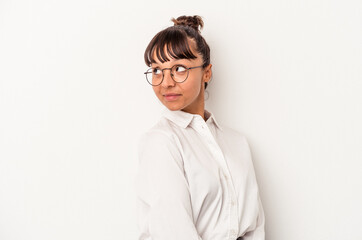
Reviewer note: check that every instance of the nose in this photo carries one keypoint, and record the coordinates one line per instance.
(167, 79)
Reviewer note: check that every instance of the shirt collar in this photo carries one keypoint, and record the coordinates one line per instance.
(183, 119)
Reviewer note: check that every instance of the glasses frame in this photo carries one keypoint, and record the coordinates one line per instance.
(163, 75)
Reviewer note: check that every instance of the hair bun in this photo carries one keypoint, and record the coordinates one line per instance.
(191, 21)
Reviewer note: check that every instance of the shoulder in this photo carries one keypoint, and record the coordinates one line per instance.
(234, 135)
(161, 131)
(158, 147)
(239, 145)
(161, 136)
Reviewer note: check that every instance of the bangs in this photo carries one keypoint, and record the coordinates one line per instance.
(173, 41)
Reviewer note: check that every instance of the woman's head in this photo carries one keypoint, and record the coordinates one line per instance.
(175, 39)
(181, 44)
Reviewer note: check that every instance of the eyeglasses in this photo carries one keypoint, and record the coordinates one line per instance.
(179, 74)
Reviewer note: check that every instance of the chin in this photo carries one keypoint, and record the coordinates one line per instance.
(173, 107)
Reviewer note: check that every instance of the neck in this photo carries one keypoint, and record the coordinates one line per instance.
(199, 109)
(198, 106)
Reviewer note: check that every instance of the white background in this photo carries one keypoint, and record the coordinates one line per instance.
(73, 101)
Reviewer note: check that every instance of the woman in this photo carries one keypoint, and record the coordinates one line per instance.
(196, 178)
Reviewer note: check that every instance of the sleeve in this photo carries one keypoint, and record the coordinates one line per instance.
(258, 233)
(163, 196)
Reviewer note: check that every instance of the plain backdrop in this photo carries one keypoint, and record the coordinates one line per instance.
(74, 100)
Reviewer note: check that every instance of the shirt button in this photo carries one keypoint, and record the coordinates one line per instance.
(233, 233)
(232, 203)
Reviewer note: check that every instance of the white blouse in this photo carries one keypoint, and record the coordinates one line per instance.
(196, 181)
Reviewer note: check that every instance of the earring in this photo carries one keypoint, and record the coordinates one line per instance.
(207, 95)
(212, 77)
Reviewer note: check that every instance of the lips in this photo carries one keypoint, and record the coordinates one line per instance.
(171, 96)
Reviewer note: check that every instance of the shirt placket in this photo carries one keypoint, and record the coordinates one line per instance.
(232, 202)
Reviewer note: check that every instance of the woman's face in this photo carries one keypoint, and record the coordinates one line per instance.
(190, 93)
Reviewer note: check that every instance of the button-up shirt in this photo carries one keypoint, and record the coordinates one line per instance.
(196, 181)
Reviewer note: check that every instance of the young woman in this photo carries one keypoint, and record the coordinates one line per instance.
(196, 178)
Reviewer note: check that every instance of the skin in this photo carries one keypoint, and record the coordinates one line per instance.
(192, 90)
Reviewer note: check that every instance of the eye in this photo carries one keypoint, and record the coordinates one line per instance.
(156, 71)
(180, 68)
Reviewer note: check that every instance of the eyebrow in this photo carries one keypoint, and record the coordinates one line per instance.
(174, 60)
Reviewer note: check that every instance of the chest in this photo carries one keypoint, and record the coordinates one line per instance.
(215, 166)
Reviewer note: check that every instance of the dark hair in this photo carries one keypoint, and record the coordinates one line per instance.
(175, 38)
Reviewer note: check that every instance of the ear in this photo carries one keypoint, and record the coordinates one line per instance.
(207, 73)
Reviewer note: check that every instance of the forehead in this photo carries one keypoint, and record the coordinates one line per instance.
(172, 53)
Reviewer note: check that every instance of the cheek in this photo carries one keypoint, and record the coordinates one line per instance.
(193, 88)
(155, 89)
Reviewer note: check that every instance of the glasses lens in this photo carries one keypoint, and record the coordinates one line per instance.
(154, 76)
(179, 73)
